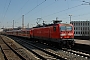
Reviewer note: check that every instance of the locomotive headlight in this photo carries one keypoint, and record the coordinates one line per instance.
(62, 34)
(61, 37)
(70, 34)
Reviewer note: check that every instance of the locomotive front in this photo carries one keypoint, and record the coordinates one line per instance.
(67, 35)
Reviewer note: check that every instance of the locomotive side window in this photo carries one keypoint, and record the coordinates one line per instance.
(54, 28)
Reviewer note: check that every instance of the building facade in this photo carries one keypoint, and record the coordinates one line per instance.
(81, 28)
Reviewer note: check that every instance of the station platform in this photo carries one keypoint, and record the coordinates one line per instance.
(86, 42)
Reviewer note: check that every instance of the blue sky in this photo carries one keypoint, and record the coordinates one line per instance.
(48, 10)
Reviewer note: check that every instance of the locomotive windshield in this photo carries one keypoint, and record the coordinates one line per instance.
(63, 28)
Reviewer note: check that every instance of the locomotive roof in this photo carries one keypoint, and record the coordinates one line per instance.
(44, 25)
(50, 25)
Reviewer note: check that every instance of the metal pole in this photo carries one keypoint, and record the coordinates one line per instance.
(13, 24)
(28, 25)
(56, 18)
(70, 18)
(22, 21)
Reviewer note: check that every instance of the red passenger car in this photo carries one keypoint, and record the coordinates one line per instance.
(26, 33)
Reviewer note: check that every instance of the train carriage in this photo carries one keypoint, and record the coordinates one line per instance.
(26, 33)
(57, 33)
(9, 32)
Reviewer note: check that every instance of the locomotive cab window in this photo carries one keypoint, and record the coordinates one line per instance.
(69, 28)
(54, 28)
(64, 28)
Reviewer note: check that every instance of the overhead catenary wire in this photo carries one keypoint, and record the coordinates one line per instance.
(79, 15)
(35, 7)
(21, 8)
(7, 9)
(63, 10)
(38, 5)
(51, 13)
(49, 5)
(73, 11)
(69, 9)
(4, 7)
(46, 7)
(3, 15)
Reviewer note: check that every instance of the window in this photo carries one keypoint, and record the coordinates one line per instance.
(85, 28)
(76, 32)
(85, 32)
(81, 24)
(88, 32)
(54, 28)
(76, 28)
(88, 28)
(72, 23)
(81, 28)
(68, 28)
(63, 28)
(23, 32)
(28, 32)
(81, 32)
(76, 24)
(88, 24)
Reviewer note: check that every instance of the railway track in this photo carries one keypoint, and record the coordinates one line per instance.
(79, 53)
(65, 54)
(12, 51)
(41, 53)
(82, 47)
(68, 54)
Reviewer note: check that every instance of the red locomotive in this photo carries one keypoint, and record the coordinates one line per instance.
(57, 33)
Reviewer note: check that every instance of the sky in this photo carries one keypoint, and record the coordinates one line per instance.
(46, 10)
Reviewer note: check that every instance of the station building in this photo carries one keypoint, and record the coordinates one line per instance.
(81, 29)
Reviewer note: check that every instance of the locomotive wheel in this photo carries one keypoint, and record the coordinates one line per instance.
(69, 46)
(60, 45)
